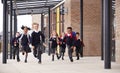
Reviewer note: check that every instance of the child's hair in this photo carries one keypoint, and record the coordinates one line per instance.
(69, 28)
(35, 24)
(77, 33)
(54, 32)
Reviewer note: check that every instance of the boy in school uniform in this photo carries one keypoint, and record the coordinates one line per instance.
(15, 45)
(37, 40)
(78, 44)
(70, 38)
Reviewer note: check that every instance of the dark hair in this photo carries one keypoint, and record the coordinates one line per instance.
(25, 27)
(69, 28)
(77, 33)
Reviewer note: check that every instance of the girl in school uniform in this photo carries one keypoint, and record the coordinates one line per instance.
(25, 41)
(62, 43)
(54, 43)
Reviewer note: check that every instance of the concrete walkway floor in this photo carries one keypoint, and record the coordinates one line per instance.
(84, 65)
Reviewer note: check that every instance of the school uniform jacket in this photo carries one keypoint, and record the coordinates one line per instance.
(54, 42)
(37, 38)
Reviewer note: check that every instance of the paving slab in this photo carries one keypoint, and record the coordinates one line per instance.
(84, 65)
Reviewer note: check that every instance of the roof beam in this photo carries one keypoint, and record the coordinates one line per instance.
(34, 8)
(58, 4)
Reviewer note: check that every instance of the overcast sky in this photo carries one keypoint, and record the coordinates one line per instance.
(1, 16)
(22, 20)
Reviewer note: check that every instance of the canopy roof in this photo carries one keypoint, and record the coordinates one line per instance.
(33, 6)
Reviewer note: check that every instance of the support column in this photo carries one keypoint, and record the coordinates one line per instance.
(49, 24)
(2, 1)
(42, 22)
(62, 18)
(81, 21)
(58, 21)
(5, 31)
(107, 7)
(11, 28)
(102, 34)
(15, 22)
(58, 25)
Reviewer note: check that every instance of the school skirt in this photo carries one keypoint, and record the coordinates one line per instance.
(26, 48)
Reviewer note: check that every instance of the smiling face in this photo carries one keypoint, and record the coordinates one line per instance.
(77, 35)
(63, 34)
(69, 31)
(25, 30)
(35, 26)
(54, 33)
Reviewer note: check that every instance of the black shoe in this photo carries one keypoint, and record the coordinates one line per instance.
(62, 58)
(71, 60)
(58, 57)
(77, 59)
(23, 53)
(14, 58)
(52, 59)
(25, 61)
(39, 62)
(81, 56)
(35, 55)
(18, 60)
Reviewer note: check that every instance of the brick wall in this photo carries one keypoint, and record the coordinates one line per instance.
(75, 14)
(117, 21)
(92, 27)
(67, 16)
(91, 24)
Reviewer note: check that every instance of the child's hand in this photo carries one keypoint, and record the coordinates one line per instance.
(45, 45)
(33, 47)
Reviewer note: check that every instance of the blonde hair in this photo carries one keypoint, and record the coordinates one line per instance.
(35, 24)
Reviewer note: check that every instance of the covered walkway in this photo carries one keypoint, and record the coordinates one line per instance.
(84, 65)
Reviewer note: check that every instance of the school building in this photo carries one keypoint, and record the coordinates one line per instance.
(67, 13)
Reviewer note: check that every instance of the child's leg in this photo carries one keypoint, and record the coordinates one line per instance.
(81, 52)
(26, 57)
(39, 56)
(17, 51)
(52, 57)
(14, 51)
(35, 52)
(77, 53)
(62, 55)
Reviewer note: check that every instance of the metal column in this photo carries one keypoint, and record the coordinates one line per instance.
(15, 22)
(5, 31)
(42, 22)
(11, 28)
(49, 24)
(2, 1)
(107, 7)
(81, 21)
(102, 34)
